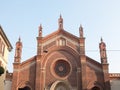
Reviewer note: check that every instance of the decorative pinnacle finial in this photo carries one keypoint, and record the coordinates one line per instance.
(103, 55)
(18, 51)
(60, 22)
(60, 16)
(101, 39)
(40, 27)
(19, 39)
(40, 30)
(81, 30)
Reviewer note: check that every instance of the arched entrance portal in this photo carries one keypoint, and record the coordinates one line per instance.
(60, 86)
(95, 88)
(25, 88)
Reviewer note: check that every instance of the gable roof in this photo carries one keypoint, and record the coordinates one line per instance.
(61, 32)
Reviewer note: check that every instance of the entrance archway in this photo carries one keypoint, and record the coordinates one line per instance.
(58, 85)
(61, 86)
(95, 88)
(25, 88)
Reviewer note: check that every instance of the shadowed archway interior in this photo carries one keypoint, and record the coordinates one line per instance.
(25, 88)
(95, 88)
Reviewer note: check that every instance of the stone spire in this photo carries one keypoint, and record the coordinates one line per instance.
(81, 31)
(60, 23)
(105, 65)
(18, 51)
(40, 31)
(39, 40)
(103, 55)
(82, 41)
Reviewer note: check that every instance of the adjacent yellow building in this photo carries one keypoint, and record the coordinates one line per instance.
(5, 48)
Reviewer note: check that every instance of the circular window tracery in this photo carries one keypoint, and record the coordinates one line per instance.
(61, 68)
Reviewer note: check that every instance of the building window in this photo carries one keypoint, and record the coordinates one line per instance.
(61, 42)
(2, 48)
(62, 68)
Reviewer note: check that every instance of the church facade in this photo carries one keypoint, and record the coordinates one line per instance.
(60, 64)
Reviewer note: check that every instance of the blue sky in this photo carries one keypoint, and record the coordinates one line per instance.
(99, 18)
